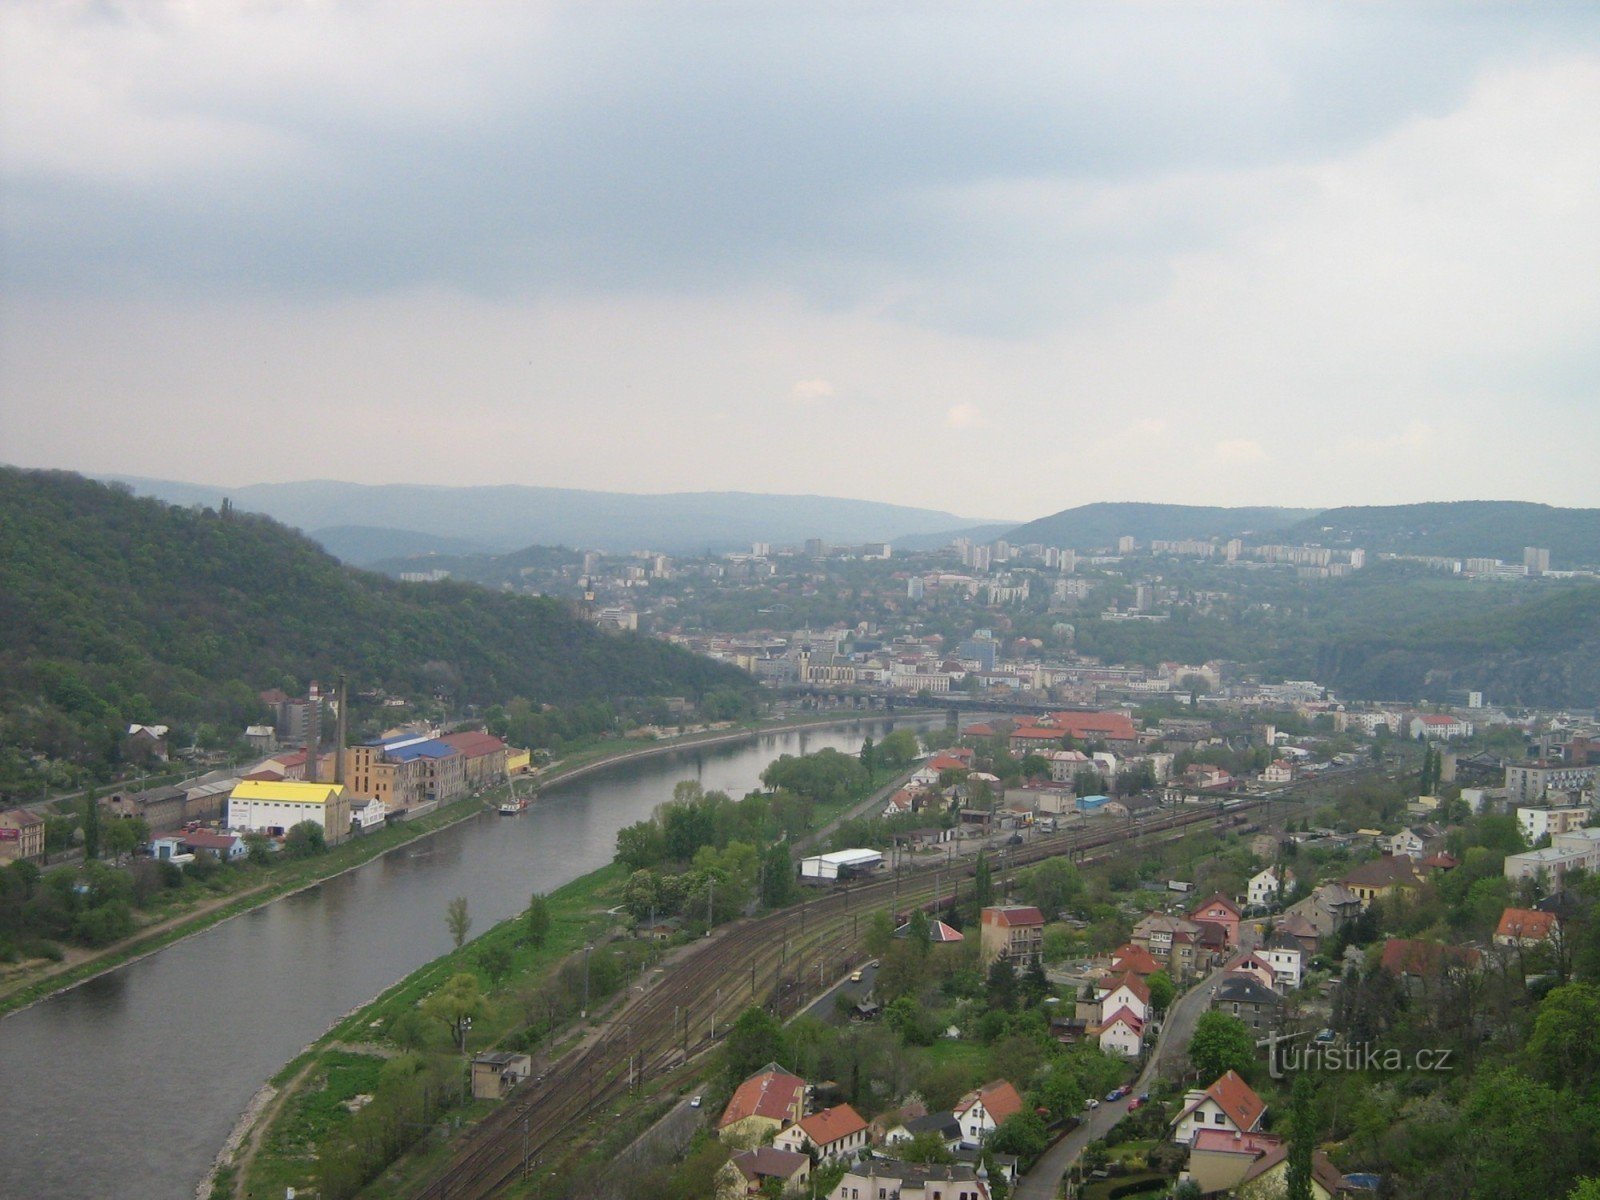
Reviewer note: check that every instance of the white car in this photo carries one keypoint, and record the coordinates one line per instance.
(1091, 1102)
(695, 1102)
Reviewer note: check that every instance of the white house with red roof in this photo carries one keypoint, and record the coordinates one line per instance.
(1436, 727)
(1525, 927)
(765, 1103)
(1256, 967)
(1125, 991)
(1229, 1104)
(836, 1132)
(983, 1110)
(1120, 1033)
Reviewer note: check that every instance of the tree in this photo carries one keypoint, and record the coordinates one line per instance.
(496, 961)
(1162, 990)
(121, 838)
(458, 920)
(868, 757)
(456, 1004)
(755, 1040)
(982, 882)
(305, 840)
(1563, 1048)
(640, 845)
(1302, 1140)
(258, 849)
(536, 921)
(1220, 1044)
(1022, 1134)
(925, 1147)
(1002, 985)
(778, 885)
(91, 826)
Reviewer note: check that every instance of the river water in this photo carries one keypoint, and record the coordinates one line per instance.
(127, 1085)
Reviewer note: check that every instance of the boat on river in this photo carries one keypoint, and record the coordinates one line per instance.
(514, 803)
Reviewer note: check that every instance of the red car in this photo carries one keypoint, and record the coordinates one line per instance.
(1134, 1102)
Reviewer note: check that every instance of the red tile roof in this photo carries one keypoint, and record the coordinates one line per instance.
(1234, 1097)
(774, 1094)
(1525, 923)
(473, 745)
(1226, 1141)
(1013, 915)
(1000, 1100)
(1408, 956)
(1216, 899)
(1087, 726)
(832, 1124)
(1123, 1014)
(1135, 960)
(1133, 983)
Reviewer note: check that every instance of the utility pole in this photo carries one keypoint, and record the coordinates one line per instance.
(586, 948)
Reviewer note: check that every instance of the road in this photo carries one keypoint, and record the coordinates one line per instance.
(1044, 1181)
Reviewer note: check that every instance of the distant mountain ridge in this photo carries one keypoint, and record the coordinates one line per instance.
(1091, 526)
(509, 517)
(1460, 528)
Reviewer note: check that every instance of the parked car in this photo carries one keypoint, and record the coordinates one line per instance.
(855, 976)
(1135, 1104)
(1118, 1093)
(695, 1102)
(1324, 1036)
(1091, 1102)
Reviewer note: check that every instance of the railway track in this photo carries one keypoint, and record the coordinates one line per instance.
(766, 960)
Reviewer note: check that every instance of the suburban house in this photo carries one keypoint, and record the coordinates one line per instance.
(837, 1132)
(1228, 1104)
(767, 1102)
(1125, 991)
(745, 1174)
(1014, 931)
(939, 933)
(1266, 886)
(494, 1074)
(1410, 959)
(1120, 1033)
(145, 743)
(1525, 927)
(1174, 943)
(1133, 960)
(1223, 1162)
(1219, 910)
(1382, 877)
(1408, 842)
(1285, 956)
(1247, 998)
(943, 1125)
(878, 1178)
(1278, 771)
(21, 835)
(982, 1111)
(229, 847)
(1255, 967)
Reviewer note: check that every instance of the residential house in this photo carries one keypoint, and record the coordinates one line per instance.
(1278, 772)
(1266, 886)
(747, 1173)
(1124, 991)
(495, 1073)
(837, 1132)
(1286, 957)
(769, 1101)
(1247, 998)
(939, 933)
(881, 1178)
(1414, 961)
(21, 835)
(1014, 931)
(1407, 842)
(1436, 727)
(1525, 927)
(1229, 1103)
(1298, 928)
(981, 1111)
(1122, 1032)
(228, 847)
(944, 1125)
(1382, 877)
(1219, 910)
(145, 744)
(1252, 1165)
(1133, 960)
(1268, 1177)
(1254, 966)
(1174, 942)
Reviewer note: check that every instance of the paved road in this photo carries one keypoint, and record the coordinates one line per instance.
(1044, 1181)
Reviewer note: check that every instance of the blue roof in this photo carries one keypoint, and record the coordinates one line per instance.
(411, 749)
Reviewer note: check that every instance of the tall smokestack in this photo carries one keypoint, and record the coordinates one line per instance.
(313, 733)
(338, 750)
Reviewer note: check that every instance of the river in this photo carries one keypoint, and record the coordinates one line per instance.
(126, 1085)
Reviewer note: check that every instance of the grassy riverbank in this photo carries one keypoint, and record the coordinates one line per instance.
(248, 888)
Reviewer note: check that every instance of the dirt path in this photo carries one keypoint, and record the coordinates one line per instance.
(244, 1143)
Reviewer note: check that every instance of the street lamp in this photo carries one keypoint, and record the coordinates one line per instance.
(586, 950)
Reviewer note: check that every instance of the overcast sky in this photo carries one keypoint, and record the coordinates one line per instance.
(994, 258)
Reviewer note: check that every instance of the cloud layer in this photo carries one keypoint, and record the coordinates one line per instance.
(1123, 247)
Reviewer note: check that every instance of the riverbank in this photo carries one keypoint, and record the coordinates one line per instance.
(26, 990)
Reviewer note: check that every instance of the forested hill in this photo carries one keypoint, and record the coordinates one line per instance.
(1462, 529)
(118, 609)
(1092, 526)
